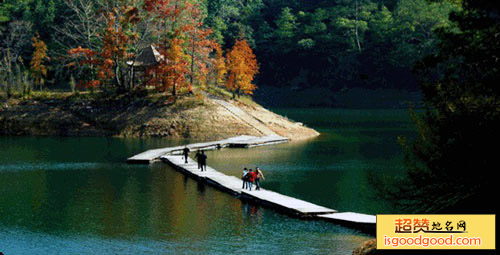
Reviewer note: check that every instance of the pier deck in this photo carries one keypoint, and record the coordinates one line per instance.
(237, 141)
(233, 185)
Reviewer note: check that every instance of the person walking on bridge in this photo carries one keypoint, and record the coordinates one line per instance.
(244, 178)
(185, 152)
(251, 178)
(260, 176)
(197, 156)
(203, 161)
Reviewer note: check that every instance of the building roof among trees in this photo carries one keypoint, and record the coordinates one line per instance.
(148, 56)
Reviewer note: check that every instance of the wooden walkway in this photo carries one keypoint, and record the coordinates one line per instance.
(237, 141)
(233, 185)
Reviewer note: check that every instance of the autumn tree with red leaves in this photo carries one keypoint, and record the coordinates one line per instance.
(183, 42)
(84, 60)
(242, 67)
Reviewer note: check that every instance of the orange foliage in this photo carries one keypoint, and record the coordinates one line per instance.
(219, 64)
(38, 69)
(170, 73)
(115, 42)
(88, 56)
(242, 68)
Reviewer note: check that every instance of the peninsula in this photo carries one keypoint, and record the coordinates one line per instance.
(202, 117)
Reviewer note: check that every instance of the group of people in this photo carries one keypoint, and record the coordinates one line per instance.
(250, 177)
(200, 156)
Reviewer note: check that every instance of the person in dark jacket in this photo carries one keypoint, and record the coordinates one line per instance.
(198, 158)
(185, 152)
(244, 178)
(203, 161)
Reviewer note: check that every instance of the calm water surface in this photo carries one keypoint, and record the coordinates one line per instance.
(77, 196)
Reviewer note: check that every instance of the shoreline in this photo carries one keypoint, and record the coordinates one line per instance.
(196, 117)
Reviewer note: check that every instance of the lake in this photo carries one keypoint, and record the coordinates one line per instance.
(77, 195)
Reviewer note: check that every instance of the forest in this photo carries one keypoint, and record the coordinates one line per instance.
(298, 44)
(118, 46)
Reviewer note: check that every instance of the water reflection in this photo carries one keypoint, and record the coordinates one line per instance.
(155, 202)
(84, 199)
(251, 211)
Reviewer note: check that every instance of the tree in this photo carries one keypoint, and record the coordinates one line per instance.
(171, 72)
(42, 15)
(105, 64)
(452, 160)
(170, 33)
(117, 40)
(38, 69)
(15, 39)
(81, 27)
(231, 19)
(242, 67)
(84, 60)
(414, 23)
(286, 24)
(220, 68)
(183, 41)
(355, 22)
(200, 46)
